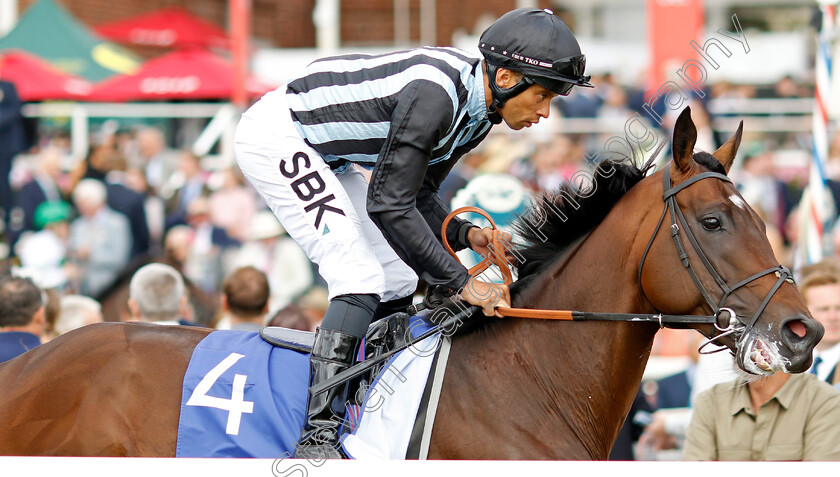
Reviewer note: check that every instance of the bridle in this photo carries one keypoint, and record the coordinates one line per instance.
(732, 324)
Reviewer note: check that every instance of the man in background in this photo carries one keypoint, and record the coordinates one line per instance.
(22, 316)
(100, 238)
(245, 299)
(778, 417)
(820, 287)
(157, 295)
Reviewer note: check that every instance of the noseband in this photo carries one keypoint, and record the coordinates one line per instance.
(726, 321)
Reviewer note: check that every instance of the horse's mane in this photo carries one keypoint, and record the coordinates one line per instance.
(558, 219)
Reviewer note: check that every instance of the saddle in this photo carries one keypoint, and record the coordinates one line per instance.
(383, 335)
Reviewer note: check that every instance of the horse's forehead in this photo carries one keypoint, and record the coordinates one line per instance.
(712, 189)
(739, 202)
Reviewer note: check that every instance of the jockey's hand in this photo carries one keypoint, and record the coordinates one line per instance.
(486, 295)
(480, 240)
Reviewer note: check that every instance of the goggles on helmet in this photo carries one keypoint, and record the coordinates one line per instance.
(559, 76)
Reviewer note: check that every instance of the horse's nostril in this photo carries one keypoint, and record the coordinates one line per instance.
(801, 333)
(798, 328)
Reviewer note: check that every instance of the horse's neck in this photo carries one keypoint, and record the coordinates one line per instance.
(574, 382)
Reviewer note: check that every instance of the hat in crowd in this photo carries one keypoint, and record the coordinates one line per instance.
(265, 225)
(51, 212)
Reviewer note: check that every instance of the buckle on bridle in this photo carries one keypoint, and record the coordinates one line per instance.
(732, 326)
(788, 279)
(731, 319)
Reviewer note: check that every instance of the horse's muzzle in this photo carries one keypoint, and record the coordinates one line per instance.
(800, 334)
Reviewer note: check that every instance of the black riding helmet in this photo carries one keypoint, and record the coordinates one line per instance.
(537, 44)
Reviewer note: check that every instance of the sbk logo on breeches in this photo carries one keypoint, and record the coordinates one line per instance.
(308, 187)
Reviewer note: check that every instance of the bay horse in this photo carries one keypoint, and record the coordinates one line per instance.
(513, 388)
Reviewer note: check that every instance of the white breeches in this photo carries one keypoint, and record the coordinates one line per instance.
(322, 211)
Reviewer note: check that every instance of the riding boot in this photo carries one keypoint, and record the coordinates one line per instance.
(332, 352)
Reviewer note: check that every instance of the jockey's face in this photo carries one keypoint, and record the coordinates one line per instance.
(526, 108)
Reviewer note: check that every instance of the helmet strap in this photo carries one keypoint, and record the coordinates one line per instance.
(502, 95)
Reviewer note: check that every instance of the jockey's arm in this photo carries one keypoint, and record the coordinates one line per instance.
(422, 116)
(399, 194)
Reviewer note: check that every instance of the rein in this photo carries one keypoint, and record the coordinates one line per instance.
(497, 258)
(724, 319)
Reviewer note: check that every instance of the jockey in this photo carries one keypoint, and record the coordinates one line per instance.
(407, 117)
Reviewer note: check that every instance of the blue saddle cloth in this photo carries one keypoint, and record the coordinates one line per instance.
(229, 406)
(243, 397)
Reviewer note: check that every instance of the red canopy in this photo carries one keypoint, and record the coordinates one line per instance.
(182, 74)
(37, 80)
(167, 27)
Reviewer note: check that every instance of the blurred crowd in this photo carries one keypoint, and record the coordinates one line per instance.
(84, 229)
(83, 226)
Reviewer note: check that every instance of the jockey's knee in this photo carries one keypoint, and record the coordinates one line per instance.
(350, 314)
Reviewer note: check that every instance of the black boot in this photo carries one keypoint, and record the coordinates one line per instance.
(332, 352)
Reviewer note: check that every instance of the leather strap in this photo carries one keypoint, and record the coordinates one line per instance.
(497, 246)
(497, 257)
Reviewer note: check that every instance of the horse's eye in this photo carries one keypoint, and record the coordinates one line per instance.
(711, 223)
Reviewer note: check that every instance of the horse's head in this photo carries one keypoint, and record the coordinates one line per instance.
(710, 255)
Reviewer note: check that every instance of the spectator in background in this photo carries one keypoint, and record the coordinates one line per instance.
(233, 204)
(273, 252)
(153, 206)
(760, 186)
(245, 294)
(95, 164)
(176, 246)
(22, 316)
(154, 157)
(100, 238)
(552, 164)
(667, 426)
(128, 202)
(77, 311)
(13, 141)
(184, 187)
(211, 249)
(615, 102)
(820, 287)
(157, 295)
(42, 187)
(581, 102)
(633, 428)
(779, 417)
(292, 316)
(786, 87)
(44, 253)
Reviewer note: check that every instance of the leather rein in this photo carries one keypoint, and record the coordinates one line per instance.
(724, 319)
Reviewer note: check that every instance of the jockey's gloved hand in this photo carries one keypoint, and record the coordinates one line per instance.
(481, 241)
(486, 295)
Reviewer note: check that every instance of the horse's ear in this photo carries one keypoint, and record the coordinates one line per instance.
(726, 153)
(685, 136)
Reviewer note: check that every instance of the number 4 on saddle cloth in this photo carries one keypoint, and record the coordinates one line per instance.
(244, 396)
